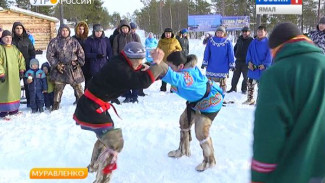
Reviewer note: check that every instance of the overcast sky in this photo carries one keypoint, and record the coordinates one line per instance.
(122, 6)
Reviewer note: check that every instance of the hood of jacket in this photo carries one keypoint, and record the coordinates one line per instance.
(60, 29)
(47, 65)
(85, 34)
(124, 23)
(14, 27)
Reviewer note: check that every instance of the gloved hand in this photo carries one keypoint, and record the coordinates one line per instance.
(100, 56)
(60, 68)
(203, 67)
(74, 65)
(21, 75)
(3, 79)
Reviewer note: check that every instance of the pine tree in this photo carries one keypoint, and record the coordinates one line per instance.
(3, 3)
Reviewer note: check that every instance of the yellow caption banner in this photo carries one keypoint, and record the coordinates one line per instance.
(58, 173)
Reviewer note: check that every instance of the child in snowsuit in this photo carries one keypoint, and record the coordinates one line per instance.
(36, 80)
(204, 100)
(122, 73)
(49, 95)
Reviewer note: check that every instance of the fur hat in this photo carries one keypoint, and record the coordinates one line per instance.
(221, 28)
(177, 58)
(282, 33)
(33, 61)
(135, 50)
(6, 33)
(133, 25)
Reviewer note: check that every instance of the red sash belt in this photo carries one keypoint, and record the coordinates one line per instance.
(104, 106)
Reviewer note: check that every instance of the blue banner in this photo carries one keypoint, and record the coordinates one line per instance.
(273, 2)
(203, 23)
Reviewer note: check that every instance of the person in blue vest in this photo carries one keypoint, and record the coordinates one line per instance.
(37, 85)
(204, 101)
(258, 59)
(219, 58)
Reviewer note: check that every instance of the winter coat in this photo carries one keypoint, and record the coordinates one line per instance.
(50, 84)
(151, 42)
(12, 63)
(258, 53)
(191, 84)
(111, 38)
(93, 47)
(218, 57)
(135, 37)
(31, 38)
(169, 45)
(23, 43)
(184, 44)
(241, 48)
(113, 80)
(63, 51)
(289, 130)
(122, 39)
(39, 83)
(81, 38)
(318, 38)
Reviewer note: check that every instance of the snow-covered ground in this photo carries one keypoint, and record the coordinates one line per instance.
(150, 129)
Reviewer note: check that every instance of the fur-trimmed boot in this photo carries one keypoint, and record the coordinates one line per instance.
(184, 145)
(208, 155)
(106, 161)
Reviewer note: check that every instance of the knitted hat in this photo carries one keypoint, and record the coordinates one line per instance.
(135, 50)
(245, 29)
(183, 31)
(133, 25)
(168, 30)
(322, 20)
(221, 28)
(177, 58)
(6, 33)
(98, 28)
(282, 33)
(33, 61)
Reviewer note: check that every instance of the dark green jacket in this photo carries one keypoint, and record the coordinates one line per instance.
(289, 127)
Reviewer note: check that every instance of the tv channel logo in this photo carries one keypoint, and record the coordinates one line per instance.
(43, 2)
(279, 7)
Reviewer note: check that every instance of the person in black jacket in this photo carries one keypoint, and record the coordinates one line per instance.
(240, 50)
(122, 73)
(25, 46)
(81, 33)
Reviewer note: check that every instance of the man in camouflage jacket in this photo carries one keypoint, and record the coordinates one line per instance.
(66, 57)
